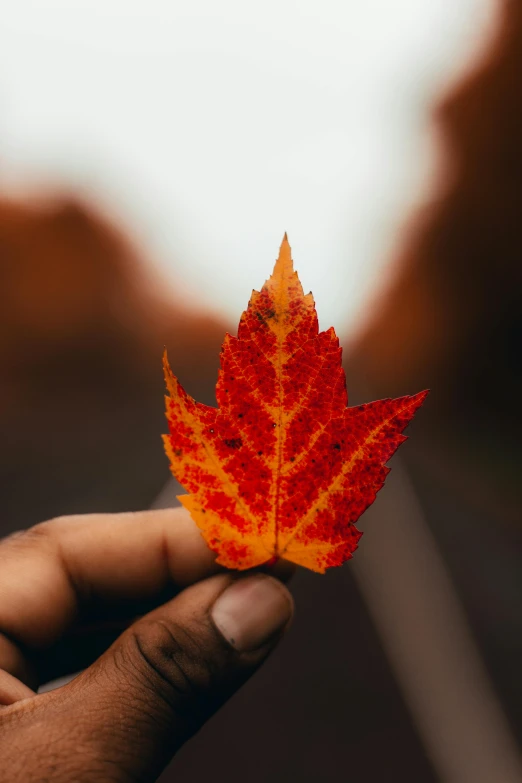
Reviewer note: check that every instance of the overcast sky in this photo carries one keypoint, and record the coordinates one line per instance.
(211, 127)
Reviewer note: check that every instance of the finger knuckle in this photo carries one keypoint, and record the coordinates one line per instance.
(41, 530)
(173, 661)
(39, 536)
(51, 527)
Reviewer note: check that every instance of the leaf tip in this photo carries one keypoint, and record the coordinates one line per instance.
(284, 265)
(419, 398)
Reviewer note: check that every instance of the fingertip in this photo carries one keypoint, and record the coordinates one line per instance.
(253, 612)
(190, 559)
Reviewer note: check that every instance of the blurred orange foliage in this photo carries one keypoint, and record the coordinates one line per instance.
(83, 323)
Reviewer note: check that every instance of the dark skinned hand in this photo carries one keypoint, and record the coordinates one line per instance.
(163, 634)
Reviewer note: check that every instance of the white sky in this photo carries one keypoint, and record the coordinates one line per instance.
(209, 127)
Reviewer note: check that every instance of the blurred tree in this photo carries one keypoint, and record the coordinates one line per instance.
(82, 329)
(452, 320)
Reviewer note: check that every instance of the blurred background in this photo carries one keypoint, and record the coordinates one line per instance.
(152, 154)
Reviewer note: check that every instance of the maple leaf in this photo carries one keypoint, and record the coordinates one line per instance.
(282, 467)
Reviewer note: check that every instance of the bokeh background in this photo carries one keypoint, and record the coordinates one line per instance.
(151, 156)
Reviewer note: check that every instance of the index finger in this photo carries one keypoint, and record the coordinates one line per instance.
(47, 572)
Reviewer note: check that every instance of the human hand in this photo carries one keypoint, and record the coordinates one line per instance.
(70, 591)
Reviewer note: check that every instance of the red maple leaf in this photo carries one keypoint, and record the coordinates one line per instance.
(282, 468)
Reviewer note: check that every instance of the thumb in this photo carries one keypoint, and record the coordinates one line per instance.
(171, 670)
